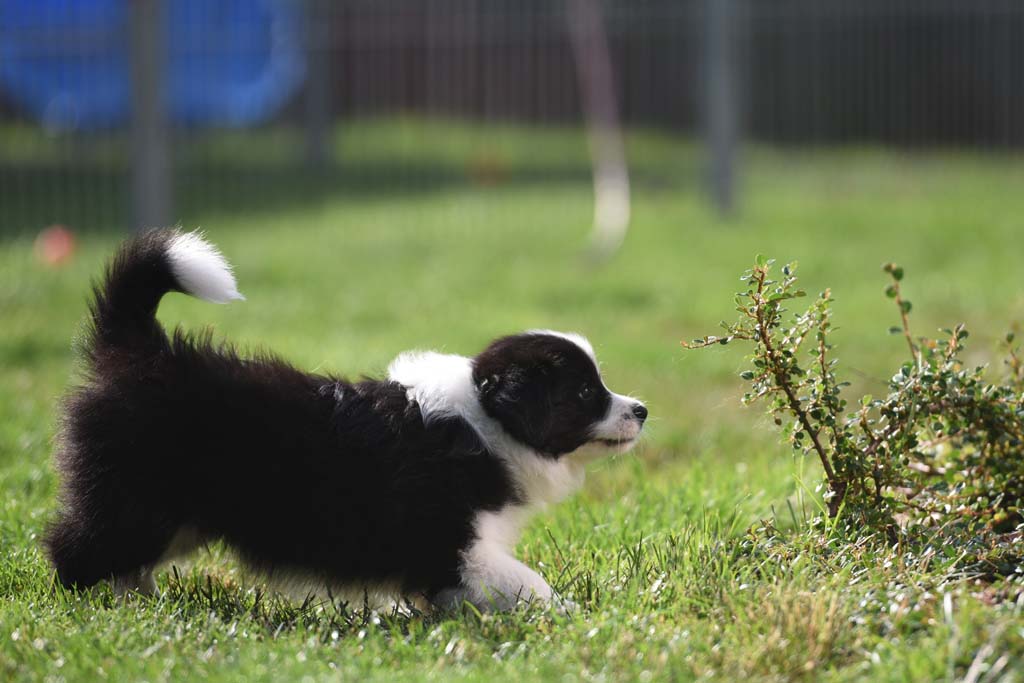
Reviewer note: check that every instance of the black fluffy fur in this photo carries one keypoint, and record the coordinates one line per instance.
(298, 472)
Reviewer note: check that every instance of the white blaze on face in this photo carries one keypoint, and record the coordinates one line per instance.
(620, 427)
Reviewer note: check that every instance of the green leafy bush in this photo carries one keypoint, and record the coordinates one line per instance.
(944, 450)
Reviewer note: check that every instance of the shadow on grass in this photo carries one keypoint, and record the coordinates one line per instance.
(94, 198)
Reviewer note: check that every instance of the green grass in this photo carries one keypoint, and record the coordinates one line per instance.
(444, 236)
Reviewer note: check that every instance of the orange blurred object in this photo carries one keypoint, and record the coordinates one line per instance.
(55, 245)
(487, 168)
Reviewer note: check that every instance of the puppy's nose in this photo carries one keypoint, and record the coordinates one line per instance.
(640, 411)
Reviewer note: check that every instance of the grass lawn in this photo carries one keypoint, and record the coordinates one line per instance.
(443, 236)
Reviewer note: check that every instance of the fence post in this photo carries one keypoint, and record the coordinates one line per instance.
(721, 125)
(592, 55)
(150, 136)
(318, 87)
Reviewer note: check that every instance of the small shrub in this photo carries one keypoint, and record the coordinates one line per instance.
(943, 450)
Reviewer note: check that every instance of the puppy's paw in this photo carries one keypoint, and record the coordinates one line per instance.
(563, 606)
(484, 600)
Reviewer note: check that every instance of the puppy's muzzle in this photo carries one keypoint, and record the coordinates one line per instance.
(622, 426)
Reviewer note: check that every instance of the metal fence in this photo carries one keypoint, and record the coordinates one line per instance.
(108, 107)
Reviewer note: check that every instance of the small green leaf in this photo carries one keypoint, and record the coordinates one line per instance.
(890, 291)
(906, 306)
(894, 270)
(895, 330)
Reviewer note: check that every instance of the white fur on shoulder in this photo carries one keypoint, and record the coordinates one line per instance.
(441, 383)
(201, 269)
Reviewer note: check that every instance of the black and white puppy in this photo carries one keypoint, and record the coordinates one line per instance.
(418, 484)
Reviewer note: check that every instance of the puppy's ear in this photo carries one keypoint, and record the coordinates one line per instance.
(486, 387)
(511, 399)
(501, 389)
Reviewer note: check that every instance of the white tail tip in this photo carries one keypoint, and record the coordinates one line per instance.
(201, 269)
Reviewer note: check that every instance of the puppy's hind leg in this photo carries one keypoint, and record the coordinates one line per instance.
(140, 581)
(86, 553)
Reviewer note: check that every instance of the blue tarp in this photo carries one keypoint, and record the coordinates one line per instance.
(229, 62)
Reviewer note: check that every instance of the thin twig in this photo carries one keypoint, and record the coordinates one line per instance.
(783, 382)
(904, 318)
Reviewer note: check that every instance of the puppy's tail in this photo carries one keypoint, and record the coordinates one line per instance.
(143, 270)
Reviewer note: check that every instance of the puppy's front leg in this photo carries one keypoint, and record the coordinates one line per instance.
(495, 582)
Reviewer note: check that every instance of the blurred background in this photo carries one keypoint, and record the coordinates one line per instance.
(129, 113)
(388, 174)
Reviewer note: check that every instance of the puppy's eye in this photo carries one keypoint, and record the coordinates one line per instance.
(586, 392)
